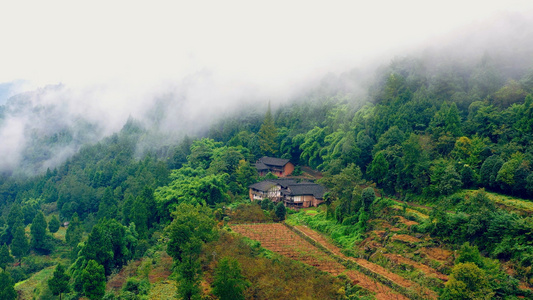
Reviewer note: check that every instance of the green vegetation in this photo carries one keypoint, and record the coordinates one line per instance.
(229, 282)
(92, 280)
(59, 283)
(437, 159)
(7, 290)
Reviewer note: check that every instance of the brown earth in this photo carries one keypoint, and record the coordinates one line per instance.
(406, 222)
(116, 281)
(280, 239)
(398, 259)
(162, 270)
(438, 254)
(405, 238)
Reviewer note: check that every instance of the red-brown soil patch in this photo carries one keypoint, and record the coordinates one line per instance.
(369, 244)
(406, 222)
(382, 292)
(116, 281)
(388, 226)
(379, 233)
(405, 238)
(162, 270)
(398, 259)
(437, 253)
(159, 273)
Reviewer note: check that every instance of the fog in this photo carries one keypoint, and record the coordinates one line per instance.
(178, 66)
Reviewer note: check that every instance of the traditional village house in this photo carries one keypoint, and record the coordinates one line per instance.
(303, 194)
(277, 166)
(292, 193)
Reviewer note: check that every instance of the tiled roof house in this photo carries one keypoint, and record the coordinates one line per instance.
(277, 166)
(292, 193)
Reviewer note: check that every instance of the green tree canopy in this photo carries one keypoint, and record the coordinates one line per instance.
(39, 240)
(58, 284)
(189, 270)
(54, 224)
(7, 287)
(229, 284)
(378, 168)
(93, 279)
(467, 281)
(107, 207)
(106, 245)
(15, 215)
(268, 135)
(368, 196)
(444, 178)
(280, 211)
(5, 257)
(19, 245)
(190, 223)
(74, 231)
(191, 186)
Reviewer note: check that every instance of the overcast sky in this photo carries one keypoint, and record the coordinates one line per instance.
(177, 65)
(139, 44)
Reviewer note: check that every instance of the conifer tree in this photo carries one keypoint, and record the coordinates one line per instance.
(189, 271)
(38, 233)
(108, 205)
(5, 257)
(453, 121)
(58, 284)
(280, 211)
(7, 287)
(19, 245)
(15, 215)
(93, 279)
(54, 224)
(268, 135)
(139, 216)
(74, 231)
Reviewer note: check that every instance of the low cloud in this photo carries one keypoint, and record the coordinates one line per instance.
(178, 71)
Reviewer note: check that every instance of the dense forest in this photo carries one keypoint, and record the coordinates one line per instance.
(443, 142)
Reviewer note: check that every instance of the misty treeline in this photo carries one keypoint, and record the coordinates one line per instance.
(426, 129)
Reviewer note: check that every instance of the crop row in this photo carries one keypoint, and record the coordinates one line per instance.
(280, 239)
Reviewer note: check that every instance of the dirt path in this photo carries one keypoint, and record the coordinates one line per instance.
(280, 239)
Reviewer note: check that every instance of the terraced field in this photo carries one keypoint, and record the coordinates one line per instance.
(280, 239)
(374, 268)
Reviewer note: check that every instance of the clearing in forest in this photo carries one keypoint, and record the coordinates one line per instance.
(278, 238)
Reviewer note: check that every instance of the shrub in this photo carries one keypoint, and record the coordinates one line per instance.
(136, 286)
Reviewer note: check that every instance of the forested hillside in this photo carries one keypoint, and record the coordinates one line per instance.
(443, 141)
